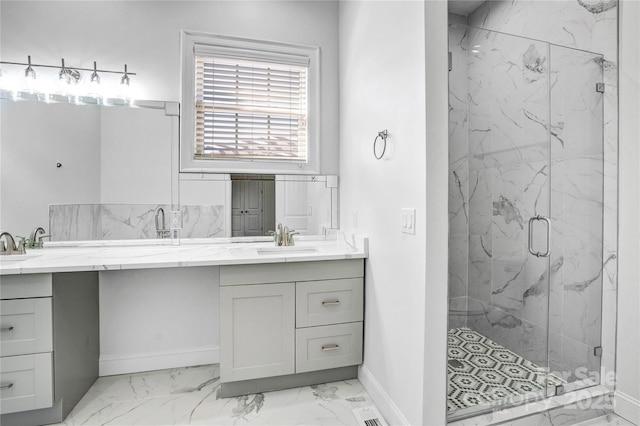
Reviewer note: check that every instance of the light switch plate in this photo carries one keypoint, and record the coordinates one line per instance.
(408, 221)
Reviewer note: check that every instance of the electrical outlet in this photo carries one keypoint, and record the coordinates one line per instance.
(175, 221)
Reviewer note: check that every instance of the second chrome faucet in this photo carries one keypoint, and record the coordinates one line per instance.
(283, 236)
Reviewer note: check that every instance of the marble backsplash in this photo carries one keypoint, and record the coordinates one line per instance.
(507, 95)
(72, 222)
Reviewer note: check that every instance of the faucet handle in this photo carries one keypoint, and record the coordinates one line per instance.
(289, 237)
(21, 245)
(40, 243)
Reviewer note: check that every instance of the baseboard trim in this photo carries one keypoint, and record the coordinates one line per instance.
(288, 381)
(110, 365)
(383, 402)
(627, 407)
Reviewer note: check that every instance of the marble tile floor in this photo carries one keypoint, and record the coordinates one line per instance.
(483, 374)
(608, 420)
(186, 396)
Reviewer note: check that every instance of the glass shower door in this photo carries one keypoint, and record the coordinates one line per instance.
(500, 165)
(577, 167)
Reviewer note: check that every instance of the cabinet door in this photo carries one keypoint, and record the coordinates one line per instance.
(25, 326)
(257, 331)
(26, 382)
(329, 302)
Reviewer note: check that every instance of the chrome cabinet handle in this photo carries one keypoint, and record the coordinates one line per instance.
(330, 302)
(330, 347)
(7, 386)
(548, 222)
(9, 328)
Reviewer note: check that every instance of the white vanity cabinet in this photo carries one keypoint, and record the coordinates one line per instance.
(290, 324)
(49, 345)
(329, 326)
(26, 336)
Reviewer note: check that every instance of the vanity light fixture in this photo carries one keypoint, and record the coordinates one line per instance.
(62, 72)
(95, 78)
(125, 78)
(29, 72)
(65, 71)
(82, 90)
(70, 75)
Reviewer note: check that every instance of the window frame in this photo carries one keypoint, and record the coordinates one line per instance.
(260, 50)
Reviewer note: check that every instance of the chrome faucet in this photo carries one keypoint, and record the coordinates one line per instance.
(34, 241)
(161, 230)
(283, 236)
(288, 237)
(10, 247)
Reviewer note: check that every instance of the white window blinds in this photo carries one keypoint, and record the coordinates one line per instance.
(250, 110)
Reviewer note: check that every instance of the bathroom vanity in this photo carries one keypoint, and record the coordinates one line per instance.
(288, 325)
(49, 344)
(288, 317)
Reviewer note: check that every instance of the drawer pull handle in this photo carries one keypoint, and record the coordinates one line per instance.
(6, 328)
(7, 386)
(330, 347)
(331, 303)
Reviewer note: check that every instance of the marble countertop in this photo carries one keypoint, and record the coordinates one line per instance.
(144, 254)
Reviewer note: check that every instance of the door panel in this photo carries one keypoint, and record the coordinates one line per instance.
(257, 324)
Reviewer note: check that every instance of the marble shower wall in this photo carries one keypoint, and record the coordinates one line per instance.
(506, 121)
(73, 222)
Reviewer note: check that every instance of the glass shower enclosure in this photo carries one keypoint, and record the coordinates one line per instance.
(525, 217)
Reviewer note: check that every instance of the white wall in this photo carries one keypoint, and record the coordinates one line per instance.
(135, 153)
(158, 318)
(29, 178)
(382, 86)
(627, 395)
(146, 36)
(437, 172)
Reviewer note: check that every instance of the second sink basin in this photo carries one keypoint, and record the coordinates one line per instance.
(286, 250)
(12, 258)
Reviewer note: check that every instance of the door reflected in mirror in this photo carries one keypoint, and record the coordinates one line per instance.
(253, 207)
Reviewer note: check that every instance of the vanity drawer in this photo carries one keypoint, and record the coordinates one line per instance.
(329, 302)
(22, 286)
(329, 346)
(26, 381)
(25, 326)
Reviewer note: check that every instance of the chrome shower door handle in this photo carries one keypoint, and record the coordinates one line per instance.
(548, 222)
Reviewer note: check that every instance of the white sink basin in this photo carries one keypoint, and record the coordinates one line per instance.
(286, 250)
(12, 258)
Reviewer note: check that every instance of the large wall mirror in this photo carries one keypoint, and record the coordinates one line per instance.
(91, 172)
(86, 172)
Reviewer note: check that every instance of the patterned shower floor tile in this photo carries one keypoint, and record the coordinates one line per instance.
(482, 372)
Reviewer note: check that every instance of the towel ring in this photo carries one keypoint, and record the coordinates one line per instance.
(383, 136)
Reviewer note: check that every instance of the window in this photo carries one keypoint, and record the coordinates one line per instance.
(248, 106)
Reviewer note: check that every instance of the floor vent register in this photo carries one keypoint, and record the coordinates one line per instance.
(369, 416)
